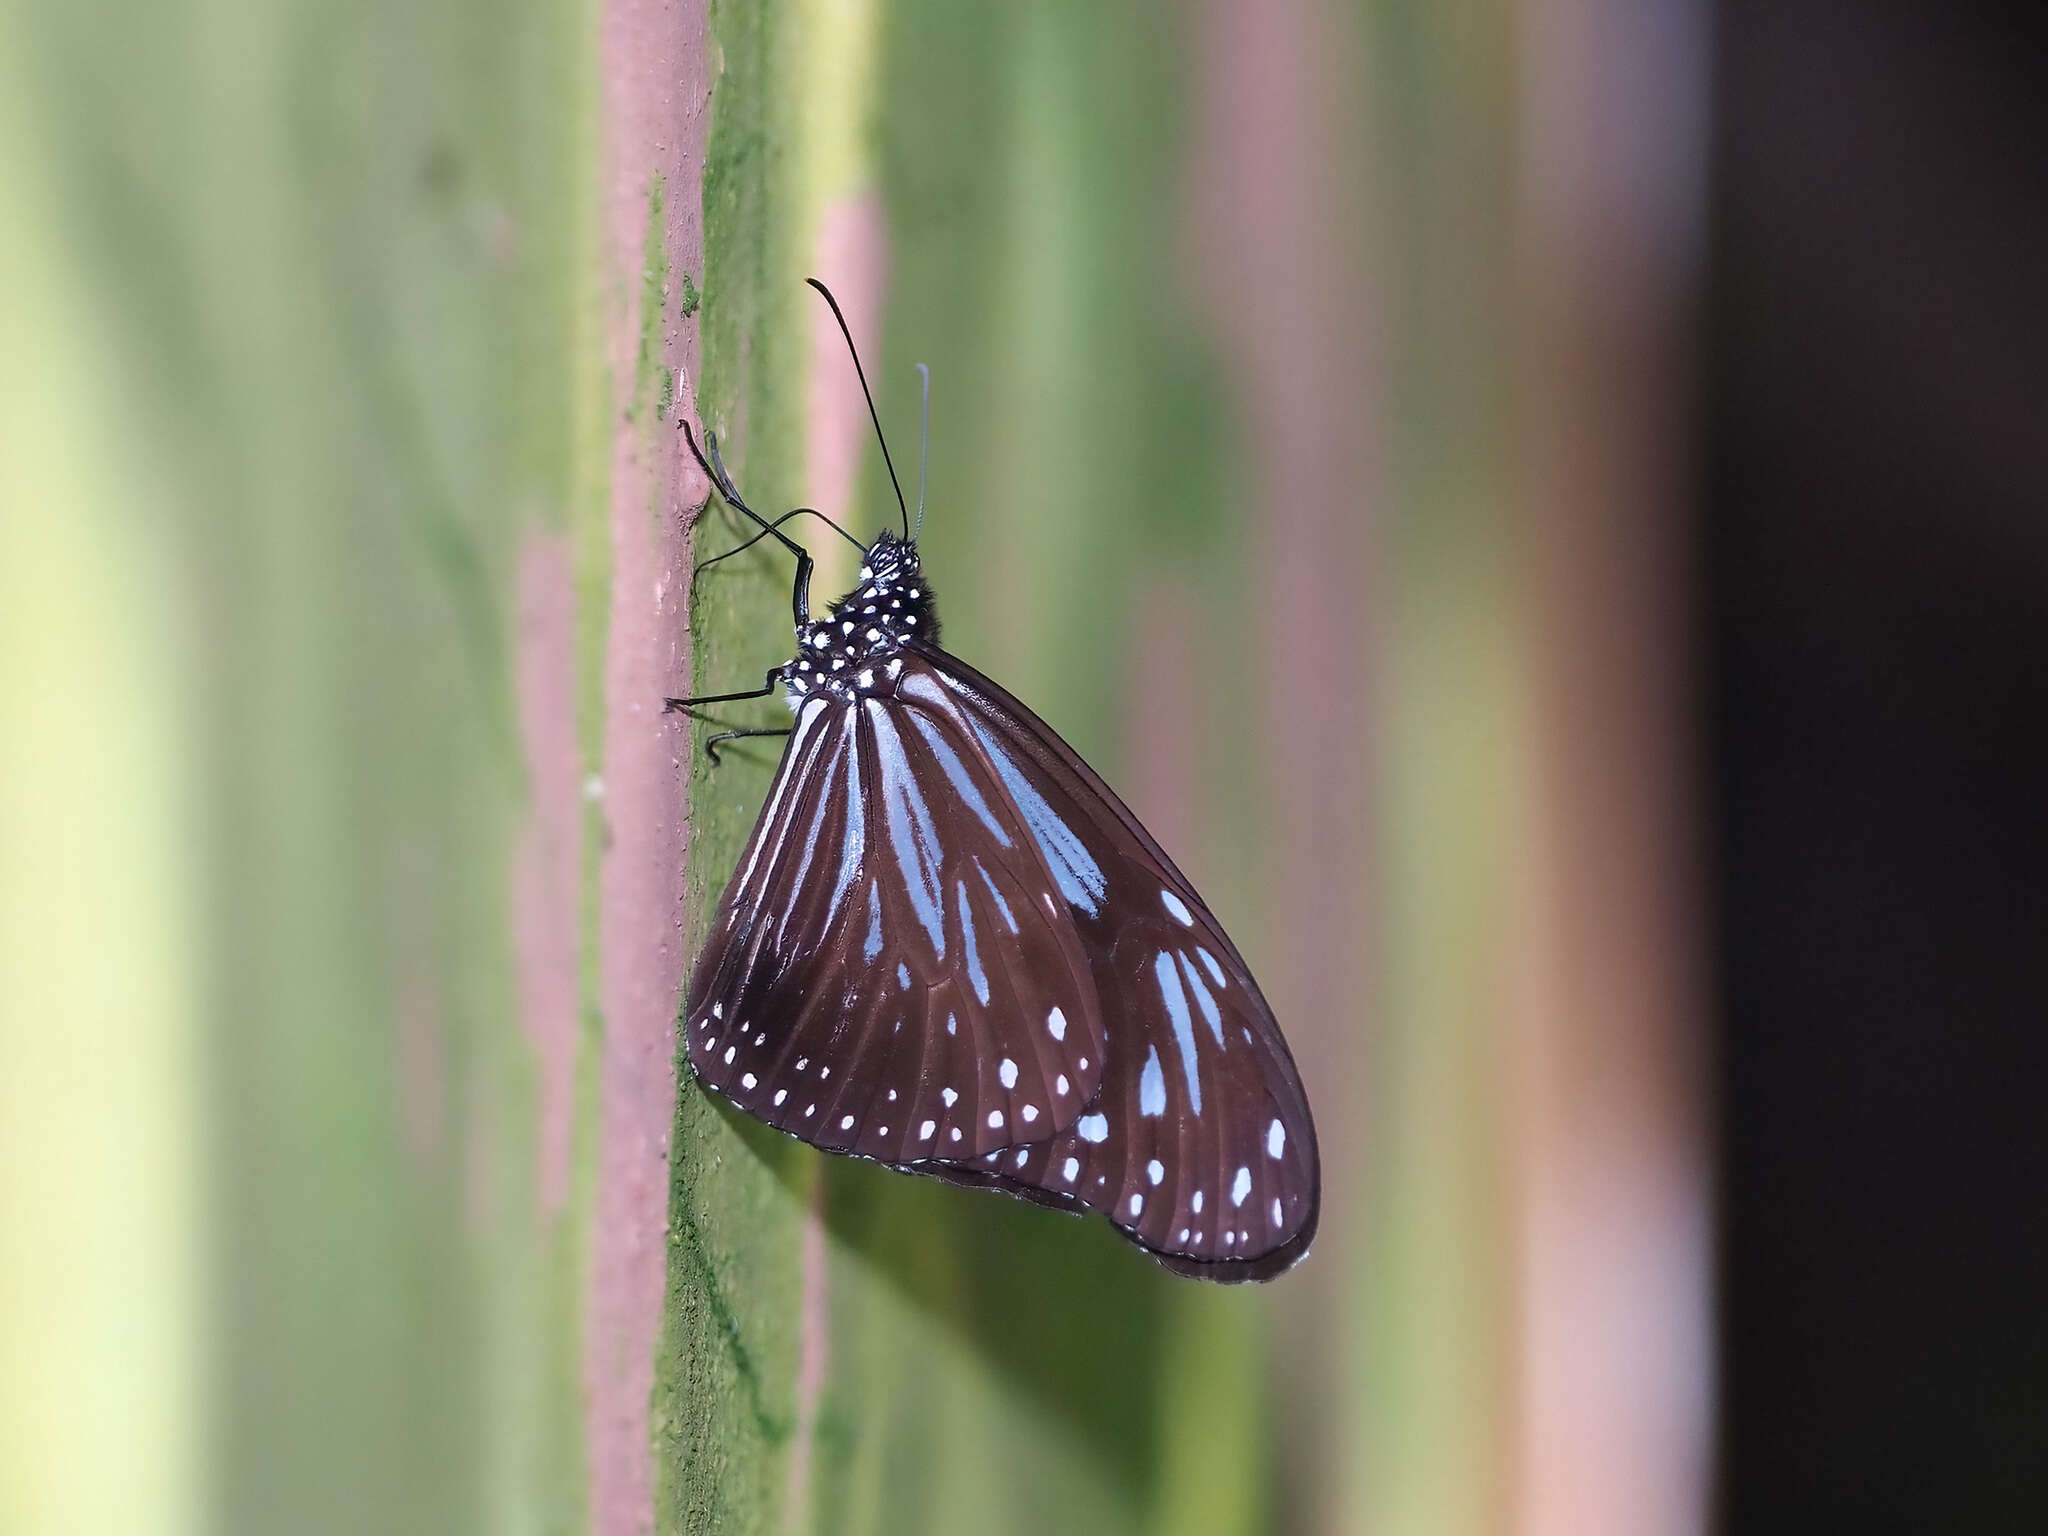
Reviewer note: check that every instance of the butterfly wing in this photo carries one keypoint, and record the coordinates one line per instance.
(890, 973)
(1201, 1147)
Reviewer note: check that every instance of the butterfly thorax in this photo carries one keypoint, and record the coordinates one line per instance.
(852, 650)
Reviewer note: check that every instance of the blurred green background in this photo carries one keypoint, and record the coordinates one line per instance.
(1302, 447)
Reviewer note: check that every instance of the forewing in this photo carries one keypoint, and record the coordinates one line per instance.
(888, 975)
(1201, 1147)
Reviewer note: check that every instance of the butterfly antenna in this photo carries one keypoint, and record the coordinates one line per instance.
(924, 448)
(873, 415)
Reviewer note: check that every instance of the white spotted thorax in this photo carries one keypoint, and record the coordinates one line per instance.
(851, 652)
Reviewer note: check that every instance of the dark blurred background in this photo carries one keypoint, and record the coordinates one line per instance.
(1876, 539)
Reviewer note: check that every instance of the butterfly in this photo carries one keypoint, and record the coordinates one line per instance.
(950, 948)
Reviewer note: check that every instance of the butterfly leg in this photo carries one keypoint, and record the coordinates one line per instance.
(757, 538)
(714, 467)
(676, 706)
(711, 742)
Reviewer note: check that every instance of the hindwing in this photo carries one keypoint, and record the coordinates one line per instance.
(1201, 1147)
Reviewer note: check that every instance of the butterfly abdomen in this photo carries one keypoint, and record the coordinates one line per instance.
(852, 650)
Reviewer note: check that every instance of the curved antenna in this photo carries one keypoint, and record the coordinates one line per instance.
(924, 448)
(861, 374)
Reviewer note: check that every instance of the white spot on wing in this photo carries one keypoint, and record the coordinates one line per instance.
(1008, 1073)
(1056, 1024)
(1177, 907)
(748, 1080)
(1195, 1204)
(1276, 1139)
(1093, 1128)
(1072, 1169)
(1240, 1186)
(924, 1132)
(1155, 1170)
(995, 1119)
(1137, 1204)
(949, 1096)
(846, 1124)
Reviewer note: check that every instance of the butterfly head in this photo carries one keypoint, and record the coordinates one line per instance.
(891, 559)
(851, 650)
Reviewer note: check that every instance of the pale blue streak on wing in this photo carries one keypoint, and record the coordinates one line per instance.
(1074, 869)
(912, 837)
(1152, 1085)
(873, 946)
(956, 771)
(1204, 999)
(1002, 906)
(855, 846)
(792, 760)
(975, 973)
(812, 838)
(1183, 1025)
